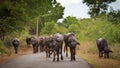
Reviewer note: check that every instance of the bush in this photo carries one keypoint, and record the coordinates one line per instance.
(2, 48)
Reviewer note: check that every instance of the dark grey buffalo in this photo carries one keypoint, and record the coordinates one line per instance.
(34, 42)
(103, 47)
(15, 43)
(41, 44)
(66, 36)
(72, 43)
(28, 41)
(57, 46)
(49, 46)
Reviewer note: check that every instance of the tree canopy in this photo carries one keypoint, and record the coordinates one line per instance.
(114, 16)
(16, 15)
(97, 7)
(69, 20)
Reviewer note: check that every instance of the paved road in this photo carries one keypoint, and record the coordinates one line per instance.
(40, 61)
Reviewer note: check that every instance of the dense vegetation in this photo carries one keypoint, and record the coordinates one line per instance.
(97, 7)
(18, 19)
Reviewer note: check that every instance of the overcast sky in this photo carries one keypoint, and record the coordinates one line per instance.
(78, 9)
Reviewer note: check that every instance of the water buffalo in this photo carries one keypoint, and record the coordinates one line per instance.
(49, 45)
(16, 43)
(28, 41)
(72, 43)
(41, 44)
(57, 46)
(66, 36)
(103, 47)
(34, 42)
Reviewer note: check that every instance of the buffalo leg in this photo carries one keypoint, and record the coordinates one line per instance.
(66, 50)
(61, 52)
(74, 52)
(16, 48)
(53, 56)
(58, 55)
(46, 51)
(61, 55)
(107, 55)
(36, 48)
(71, 51)
(40, 48)
(33, 49)
(49, 52)
(100, 54)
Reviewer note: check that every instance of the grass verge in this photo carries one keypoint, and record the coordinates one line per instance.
(88, 51)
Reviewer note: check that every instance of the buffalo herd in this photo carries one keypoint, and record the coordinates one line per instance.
(53, 45)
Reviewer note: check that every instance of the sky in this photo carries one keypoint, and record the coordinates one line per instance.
(78, 9)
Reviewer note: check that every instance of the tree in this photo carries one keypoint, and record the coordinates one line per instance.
(12, 17)
(53, 14)
(16, 15)
(69, 20)
(97, 7)
(114, 16)
(49, 28)
(44, 11)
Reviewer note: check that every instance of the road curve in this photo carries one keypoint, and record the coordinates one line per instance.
(40, 61)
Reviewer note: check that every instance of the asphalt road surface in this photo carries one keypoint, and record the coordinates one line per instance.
(39, 60)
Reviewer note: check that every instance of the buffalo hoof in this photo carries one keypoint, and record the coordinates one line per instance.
(61, 57)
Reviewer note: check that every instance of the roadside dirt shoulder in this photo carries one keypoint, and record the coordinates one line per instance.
(6, 58)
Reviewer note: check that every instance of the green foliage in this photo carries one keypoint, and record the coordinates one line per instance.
(69, 20)
(2, 48)
(44, 11)
(60, 29)
(91, 29)
(96, 7)
(15, 15)
(49, 28)
(12, 16)
(18, 17)
(114, 33)
(114, 17)
(55, 13)
(74, 28)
